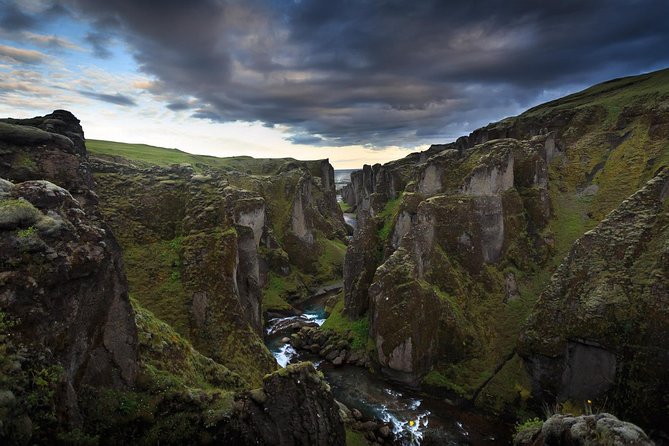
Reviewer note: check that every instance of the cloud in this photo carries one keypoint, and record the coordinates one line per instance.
(379, 73)
(179, 106)
(116, 99)
(99, 43)
(51, 42)
(21, 56)
(12, 18)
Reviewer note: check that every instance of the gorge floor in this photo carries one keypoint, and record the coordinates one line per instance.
(416, 418)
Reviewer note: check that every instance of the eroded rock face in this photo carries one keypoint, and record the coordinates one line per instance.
(362, 258)
(406, 341)
(294, 407)
(49, 147)
(611, 341)
(62, 274)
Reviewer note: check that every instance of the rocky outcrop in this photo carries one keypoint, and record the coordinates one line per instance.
(443, 231)
(480, 225)
(331, 346)
(229, 234)
(362, 258)
(293, 407)
(568, 430)
(62, 281)
(81, 365)
(609, 344)
(49, 147)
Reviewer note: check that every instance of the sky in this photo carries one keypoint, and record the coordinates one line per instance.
(355, 81)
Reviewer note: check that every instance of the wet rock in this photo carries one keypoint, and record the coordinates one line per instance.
(384, 431)
(356, 414)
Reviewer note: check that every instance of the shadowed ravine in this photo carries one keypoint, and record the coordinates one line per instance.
(416, 418)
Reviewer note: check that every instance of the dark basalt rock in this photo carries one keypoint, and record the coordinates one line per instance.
(611, 343)
(294, 407)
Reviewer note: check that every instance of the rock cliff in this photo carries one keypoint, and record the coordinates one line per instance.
(83, 362)
(470, 233)
(63, 290)
(597, 332)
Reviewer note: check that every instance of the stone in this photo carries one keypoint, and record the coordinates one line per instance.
(567, 430)
(384, 431)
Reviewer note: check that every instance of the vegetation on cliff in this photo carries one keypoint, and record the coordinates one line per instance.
(474, 230)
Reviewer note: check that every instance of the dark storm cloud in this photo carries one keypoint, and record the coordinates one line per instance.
(178, 106)
(12, 18)
(381, 72)
(116, 99)
(99, 42)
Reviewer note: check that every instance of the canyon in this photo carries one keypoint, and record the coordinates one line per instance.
(522, 266)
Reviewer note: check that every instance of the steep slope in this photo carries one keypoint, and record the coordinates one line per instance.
(80, 363)
(599, 328)
(202, 248)
(63, 291)
(468, 233)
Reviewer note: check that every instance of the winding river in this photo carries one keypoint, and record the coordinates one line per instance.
(416, 418)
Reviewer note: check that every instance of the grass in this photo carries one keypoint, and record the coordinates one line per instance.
(339, 322)
(277, 290)
(331, 261)
(613, 95)
(345, 208)
(151, 155)
(354, 438)
(388, 215)
(154, 276)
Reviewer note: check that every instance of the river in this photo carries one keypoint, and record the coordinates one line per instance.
(416, 418)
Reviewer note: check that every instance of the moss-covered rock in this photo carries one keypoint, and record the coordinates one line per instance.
(610, 344)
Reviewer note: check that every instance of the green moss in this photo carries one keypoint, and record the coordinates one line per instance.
(154, 276)
(331, 261)
(508, 390)
(354, 438)
(28, 232)
(278, 289)
(23, 160)
(169, 361)
(388, 215)
(436, 379)
(17, 214)
(345, 208)
(356, 330)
